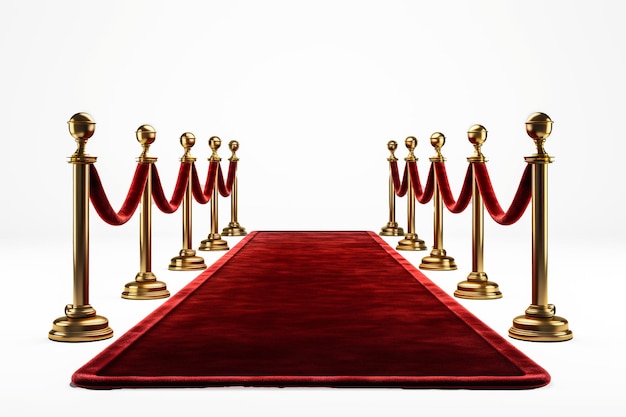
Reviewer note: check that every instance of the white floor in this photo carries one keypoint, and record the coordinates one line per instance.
(587, 372)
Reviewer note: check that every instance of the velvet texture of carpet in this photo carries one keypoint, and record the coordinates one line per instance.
(332, 309)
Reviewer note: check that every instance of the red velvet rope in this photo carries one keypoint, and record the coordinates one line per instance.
(422, 196)
(519, 203)
(101, 202)
(400, 188)
(444, 188)
(179, 191)
(201, 195)
(226, 188)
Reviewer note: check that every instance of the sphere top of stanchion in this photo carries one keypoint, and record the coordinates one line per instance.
(187, 140)
(539, 126)
(477, 134)
(437, 139)
(233, 145)
(392, 145)
(411, 143)
(215, 142)
(81, 126)
(146, 134)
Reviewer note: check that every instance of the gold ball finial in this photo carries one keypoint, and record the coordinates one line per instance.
(477, 135)
(392, 145)
(81, 126)
(411, 143)
(214, 144)
(233, 145)
(437, 140)
(146, 135)
(187, 140)
(539, 126)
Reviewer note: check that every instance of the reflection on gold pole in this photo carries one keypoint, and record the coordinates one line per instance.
(80, 323)
(234, 228)
(187, 259)
(214, 241)
(477, 286)
(438, 260)
(411, 241)
(145, 286)
(540, 323)
(392, 228)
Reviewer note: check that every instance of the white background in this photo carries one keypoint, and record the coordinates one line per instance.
(312, 91)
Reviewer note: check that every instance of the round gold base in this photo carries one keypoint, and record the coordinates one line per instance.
(411, 243)
(477, 287)
(81, 329)
(438, 263)
(540, 329)
(234, 229)
(187, 261)
(213, 244)
(145, 288)
(391, 229)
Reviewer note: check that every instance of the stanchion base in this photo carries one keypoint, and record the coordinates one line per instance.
(540, 329)
(145, 287)
(411, 243)
(438, 261)
(234, 229)
(187, 261)
(477, 287)
(539, 324)
(391, 229)
(84, 328)
(213, 242)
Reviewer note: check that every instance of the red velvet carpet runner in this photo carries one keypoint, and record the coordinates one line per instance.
(311, 309)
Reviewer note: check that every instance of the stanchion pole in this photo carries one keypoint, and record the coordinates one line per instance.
(392, 228)
(540, 323)
(80, 323)
(411, 240)
(187, 260)
(477, 285)
(145, 286)
(214, 240)
(234, 228)
(438, 259)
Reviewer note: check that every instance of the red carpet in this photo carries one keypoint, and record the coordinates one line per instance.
(311, 309)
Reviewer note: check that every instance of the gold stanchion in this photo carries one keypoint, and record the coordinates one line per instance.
(145, 286)
(187, 259)
(214, 240)
(477, 286)
(234, 228)
(411, 241)
(540, 323)
(392, 228)
(438, 259)
(80, 323)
